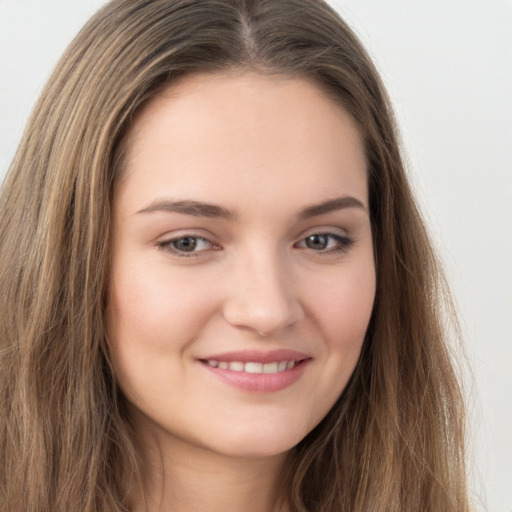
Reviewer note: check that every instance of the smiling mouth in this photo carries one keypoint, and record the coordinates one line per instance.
(256, 371)
(253, 366)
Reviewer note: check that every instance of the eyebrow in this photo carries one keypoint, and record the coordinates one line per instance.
(200, 209)
(188, 207)
(332, 205)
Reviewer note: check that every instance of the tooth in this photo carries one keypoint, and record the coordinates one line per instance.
(253, 367)
(236, 366)
(270, 367)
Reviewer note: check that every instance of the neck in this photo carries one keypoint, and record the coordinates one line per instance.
(178, 477)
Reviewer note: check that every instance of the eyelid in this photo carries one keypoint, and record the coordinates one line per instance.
(324, 230)
(328, 230)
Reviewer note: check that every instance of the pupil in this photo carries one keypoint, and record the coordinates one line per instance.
(187, 244)
(316, 241)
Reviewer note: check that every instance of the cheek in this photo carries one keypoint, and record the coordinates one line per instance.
(342, 305)
(151, 324)
(154, 306)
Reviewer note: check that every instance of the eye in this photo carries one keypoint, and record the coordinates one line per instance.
(326, 242)
(188, 245)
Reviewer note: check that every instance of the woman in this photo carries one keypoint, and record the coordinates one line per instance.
(217, 291)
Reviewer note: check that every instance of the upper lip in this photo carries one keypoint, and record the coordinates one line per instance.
(258, 356)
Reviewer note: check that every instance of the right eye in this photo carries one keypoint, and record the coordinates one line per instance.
(186, 246)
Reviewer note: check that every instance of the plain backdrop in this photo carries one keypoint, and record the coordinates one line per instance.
(448, 68)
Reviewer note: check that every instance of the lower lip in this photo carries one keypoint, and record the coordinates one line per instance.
(259, 382)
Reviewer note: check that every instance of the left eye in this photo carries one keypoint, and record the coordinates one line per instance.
(186, 245)
(326, 242)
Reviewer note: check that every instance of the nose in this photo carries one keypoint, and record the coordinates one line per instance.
(262, 296)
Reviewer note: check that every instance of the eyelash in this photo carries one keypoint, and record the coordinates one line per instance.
(343, 244)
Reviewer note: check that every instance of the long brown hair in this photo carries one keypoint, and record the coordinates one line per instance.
(394, 439)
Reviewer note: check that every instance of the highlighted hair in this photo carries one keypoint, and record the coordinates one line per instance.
(394, 441)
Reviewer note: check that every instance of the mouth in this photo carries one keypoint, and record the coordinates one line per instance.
(257, 371)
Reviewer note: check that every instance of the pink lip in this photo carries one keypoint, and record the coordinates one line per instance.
(259, 382)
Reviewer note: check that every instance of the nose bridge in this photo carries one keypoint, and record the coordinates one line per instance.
(262, 295)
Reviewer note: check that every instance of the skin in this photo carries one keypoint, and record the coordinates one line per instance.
(263, 148)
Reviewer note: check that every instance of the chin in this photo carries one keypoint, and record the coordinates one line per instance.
(259, 444)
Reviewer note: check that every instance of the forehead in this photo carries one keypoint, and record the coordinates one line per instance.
(210, 133)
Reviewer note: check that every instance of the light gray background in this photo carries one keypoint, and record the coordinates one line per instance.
(448, 67)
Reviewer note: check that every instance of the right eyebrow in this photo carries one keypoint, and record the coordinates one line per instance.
(187, 207)
(338, 203)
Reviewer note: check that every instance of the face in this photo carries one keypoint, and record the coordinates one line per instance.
(242, 278)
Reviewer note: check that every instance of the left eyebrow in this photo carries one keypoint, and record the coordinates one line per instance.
(332, 205)
(187, 207)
